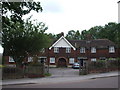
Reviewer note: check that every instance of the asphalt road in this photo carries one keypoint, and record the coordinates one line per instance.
(108, 82)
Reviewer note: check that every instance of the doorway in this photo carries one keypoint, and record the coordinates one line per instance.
(62, 62)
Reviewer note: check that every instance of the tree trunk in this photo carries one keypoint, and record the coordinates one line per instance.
(18, 60)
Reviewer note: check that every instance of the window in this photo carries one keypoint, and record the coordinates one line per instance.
(30, 59)
(71, 60)
(93, 50)
(102, 58)
(52, 60)
(11, 59)
(68, 50)
(82, 50)
(112, 49)
(56, 50)
(93, 59)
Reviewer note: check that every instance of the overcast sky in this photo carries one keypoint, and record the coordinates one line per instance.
(64, 15)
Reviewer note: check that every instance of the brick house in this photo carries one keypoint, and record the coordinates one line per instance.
(63, 52)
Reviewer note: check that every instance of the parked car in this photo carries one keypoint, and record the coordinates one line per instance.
(75, 65)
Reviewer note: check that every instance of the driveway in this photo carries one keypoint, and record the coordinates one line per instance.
(64, 72)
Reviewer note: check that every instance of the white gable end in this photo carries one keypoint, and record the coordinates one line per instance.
(62, 42)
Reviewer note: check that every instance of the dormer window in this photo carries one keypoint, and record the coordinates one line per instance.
(68, 50)
(93, 50)
(111, 49)
(56, 50)
(82, 50)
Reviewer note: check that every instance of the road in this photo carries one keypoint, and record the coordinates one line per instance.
(108, 82)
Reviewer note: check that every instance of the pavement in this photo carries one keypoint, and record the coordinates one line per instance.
(53, 79)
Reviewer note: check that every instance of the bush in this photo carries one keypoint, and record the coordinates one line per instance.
(97, 65)
(47, 74)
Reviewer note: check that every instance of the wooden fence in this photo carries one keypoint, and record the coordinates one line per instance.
(29, 71)
(103, 66)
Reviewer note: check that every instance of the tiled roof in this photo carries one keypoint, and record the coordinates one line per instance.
(98, 43)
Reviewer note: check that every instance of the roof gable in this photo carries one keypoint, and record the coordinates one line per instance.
(62, 42)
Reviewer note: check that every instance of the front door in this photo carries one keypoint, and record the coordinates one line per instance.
(62, 62)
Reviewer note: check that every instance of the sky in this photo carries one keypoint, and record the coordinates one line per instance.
(65, 15)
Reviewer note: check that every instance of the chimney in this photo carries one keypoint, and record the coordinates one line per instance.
(62, 33)
(89, 37)
(118, 11)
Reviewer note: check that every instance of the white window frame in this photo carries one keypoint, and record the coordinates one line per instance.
(56, 50)
(82, 50)
(52, 60)
(11, 59)
(93, 59)
(71, 60)
(68, 50)
(30, 59)
(111, 49)
(93, 50)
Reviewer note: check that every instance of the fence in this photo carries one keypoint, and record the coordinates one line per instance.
(103, 66)
(29, 71)
(12, 73)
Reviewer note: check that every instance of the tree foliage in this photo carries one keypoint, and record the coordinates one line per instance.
(73, 35)
(16, 10)
(22, 38)
(109, 31)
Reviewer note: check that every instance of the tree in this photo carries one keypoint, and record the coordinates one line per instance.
(77, 35)
(94, 31)
(16, 10)
(83, 34)
(21, 42)
(70, 35)
(109, 31)
(73, 35)
(20, 38)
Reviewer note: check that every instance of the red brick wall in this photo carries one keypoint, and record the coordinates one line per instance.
(74, 54)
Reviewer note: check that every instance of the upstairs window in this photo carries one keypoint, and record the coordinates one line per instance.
(93, 50)
(68, 50)
(56, 50)
(112, 49)
(82, 50)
